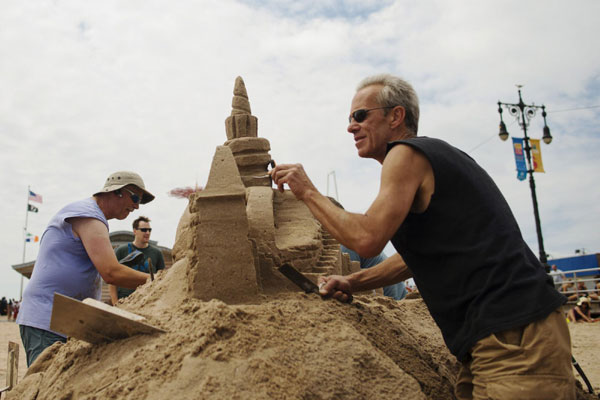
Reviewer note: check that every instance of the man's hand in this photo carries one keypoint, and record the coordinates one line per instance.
(295, 177)
(335, 286)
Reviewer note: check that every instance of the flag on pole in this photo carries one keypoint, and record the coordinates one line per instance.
(519, 159)
(32, 208)
(32, 238)
(35, 197)
(536, 152)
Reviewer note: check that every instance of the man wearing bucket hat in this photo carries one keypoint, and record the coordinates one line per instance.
(75, 251)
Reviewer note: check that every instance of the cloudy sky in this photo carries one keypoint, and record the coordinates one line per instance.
(88, 88)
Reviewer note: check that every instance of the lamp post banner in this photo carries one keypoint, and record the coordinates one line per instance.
(519, 159)
(536, 152)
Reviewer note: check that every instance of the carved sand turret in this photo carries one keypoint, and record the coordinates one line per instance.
(224, 267)
(251, 152)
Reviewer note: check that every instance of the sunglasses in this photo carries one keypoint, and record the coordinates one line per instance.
(145, 230)
(360, 115)
(134, 197)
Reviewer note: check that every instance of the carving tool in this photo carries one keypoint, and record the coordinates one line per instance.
(302, 281)
(150, 269)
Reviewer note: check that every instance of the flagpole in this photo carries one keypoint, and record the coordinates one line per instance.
(24, 239)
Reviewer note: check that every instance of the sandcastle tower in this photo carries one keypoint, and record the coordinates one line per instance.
(251, 152)
(224, 267)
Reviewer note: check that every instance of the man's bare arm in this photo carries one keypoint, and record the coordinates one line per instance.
(403, 174)
(95, 239)
(390, 271)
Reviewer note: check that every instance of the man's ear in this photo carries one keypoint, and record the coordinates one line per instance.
(118, 193)
(398, 114)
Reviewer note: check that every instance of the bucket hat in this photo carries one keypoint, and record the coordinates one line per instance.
(121, 179)
(583, 299)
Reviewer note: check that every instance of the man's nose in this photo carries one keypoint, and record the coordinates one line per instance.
(136, 205)
(353, 126)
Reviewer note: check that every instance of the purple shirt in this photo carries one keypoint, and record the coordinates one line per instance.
(62, 266)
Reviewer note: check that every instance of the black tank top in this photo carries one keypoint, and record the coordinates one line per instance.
(467, 255)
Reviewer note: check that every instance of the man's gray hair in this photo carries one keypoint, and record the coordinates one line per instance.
(396, 92)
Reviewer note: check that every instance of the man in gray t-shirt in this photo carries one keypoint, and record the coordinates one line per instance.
(141, 242)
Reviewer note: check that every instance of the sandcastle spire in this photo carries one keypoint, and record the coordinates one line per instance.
(240, 103)
(241, 123)
(251, 152)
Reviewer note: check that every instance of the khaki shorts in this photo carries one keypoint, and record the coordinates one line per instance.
(531, 362)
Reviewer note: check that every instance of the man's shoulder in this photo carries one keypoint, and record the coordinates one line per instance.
(82, 210)
(84, 206)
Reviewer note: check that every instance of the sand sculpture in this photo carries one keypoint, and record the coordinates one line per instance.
(262, 227)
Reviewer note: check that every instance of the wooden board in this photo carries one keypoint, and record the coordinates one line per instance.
(12, 367)
(95, 323)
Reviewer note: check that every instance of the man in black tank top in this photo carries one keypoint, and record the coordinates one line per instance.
(455, 234)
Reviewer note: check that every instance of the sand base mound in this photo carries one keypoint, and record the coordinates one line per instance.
(288, 346)
(295, 346)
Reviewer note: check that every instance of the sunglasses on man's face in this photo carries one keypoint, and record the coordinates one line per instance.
(360, 115)
(134, 197)
(145, 230)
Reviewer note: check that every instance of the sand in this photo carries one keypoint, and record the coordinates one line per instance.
(585, 342)
(9, 332)
(293, 346)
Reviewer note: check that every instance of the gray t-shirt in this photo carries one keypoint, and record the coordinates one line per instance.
(150, 252)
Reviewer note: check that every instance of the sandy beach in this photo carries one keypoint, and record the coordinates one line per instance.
(585, 339)
(9, 332)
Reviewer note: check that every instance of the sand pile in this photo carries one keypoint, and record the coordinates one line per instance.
(293, 346)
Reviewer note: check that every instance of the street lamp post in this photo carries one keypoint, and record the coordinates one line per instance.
(523, 113)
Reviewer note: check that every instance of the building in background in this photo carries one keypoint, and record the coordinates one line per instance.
(586, 261)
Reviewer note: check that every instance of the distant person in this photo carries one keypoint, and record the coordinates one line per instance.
(582, 311)
(396, 291)
(3, 306)
(9, 309)
(567, 288)
(15, 307)
(141, 242)
(557, 275)
(590, 293)
(75, 251)
(581, 290)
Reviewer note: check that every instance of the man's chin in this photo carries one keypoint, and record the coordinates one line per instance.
(123, 216)
(363, 153)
